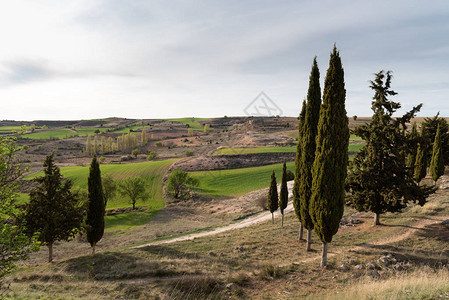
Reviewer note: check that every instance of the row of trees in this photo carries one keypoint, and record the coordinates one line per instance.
(56, 212)
(122, 143)
(384, 175)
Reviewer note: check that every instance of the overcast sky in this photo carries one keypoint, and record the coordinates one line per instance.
(83, 59)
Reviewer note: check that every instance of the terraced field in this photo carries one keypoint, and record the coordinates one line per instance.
(192, 122)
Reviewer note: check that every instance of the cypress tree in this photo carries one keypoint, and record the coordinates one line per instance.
(421, 162)
(331, 157)
(297, 168)
(283, 195)
(309, 133)
(437, 162)
(413, 149)
(273, 196)
(96, 208)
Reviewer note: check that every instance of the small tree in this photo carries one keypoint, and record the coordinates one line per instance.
(109, 188)
(134, 189)
(421, 162)
(190, 132)
(96, 205)
(273, 198)
(95, 145)
(178, 183)
(429, 130)
(53, 211)
(283, 195)
(152, 155)
(135, 152)
(437, 162)
(89, 149)
(14, 244)
(143, 137)
(206, 129)
(413, 149)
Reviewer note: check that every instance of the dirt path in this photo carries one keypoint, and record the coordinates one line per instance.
(262, 217)
(405, 234)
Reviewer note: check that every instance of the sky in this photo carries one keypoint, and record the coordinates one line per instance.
(86, 59)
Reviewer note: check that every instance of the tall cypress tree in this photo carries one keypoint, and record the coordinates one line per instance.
(96, 209)
(331, 157)
(297, 168)
(283, 195)
(421, 161)
(309, 133)
(273, 196)
(437, 162)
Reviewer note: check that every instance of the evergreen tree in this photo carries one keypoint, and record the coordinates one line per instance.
(297, 181)
(437, 162)
(429, 129)
(309, 133)
(413, 149)
(283, 195)
(53, 210)
(331, 157)
(273, 196)
(379, 180)
(96, 205)
(421, 161)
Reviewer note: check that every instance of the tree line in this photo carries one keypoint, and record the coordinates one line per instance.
(384, 176)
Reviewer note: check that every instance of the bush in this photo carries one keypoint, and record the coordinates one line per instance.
(135, 152)
(159, 144)
(152, 155)
(189, 153)
(179, 183)
(290, 175)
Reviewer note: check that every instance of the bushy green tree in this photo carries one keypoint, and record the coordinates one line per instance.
(179, 183)
(437, 162)
(309, 133)
(331, 157)
(296, 200)
(379, 180)
(421, 161)
(283, 195)
(14, 244)
(53, 211)
(134, 189)
(109, 188)
(96, 205)
(273, 197)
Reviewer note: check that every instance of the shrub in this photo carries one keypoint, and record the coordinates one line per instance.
(290, 175)
(152, 155)
(135, 152)
(179, 183)
(189, 153)
(159, 144)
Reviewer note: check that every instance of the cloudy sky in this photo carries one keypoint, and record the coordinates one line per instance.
(82, 59)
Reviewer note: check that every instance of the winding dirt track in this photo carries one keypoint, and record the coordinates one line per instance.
(262, 217)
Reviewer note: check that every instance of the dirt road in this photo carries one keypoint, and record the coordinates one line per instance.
(262, 217)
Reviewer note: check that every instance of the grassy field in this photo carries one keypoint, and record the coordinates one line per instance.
(192, 122)
(152, 172)
(91, 130)
(10, 129)
(49, 134)
(236, 182)
(233, 151)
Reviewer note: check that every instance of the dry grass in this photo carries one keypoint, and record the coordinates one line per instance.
(424, 283)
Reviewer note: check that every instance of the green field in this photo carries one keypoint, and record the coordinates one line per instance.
(236, 182)
(90, 130)
(137, 129)
(233, 151)
(152, 172)
(192, 122)
(10, 129)
(49, 134)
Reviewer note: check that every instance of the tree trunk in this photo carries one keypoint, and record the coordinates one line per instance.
(301, 231)
(376, 219)
(93, 248)
(272, 218)
(324, 256)
(134, 205)
(309, 240)
(50, 252)
(282, 223)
